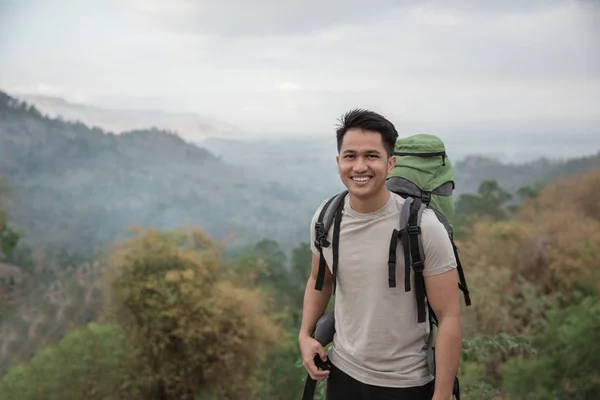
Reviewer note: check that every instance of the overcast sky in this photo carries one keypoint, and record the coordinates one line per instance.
(294, 66)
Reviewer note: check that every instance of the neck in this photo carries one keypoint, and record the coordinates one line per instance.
(371, 204)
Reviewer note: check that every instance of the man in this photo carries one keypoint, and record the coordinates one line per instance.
(379, 350)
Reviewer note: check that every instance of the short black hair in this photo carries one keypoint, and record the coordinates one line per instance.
(367, 120)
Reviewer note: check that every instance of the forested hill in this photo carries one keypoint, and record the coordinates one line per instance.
(76, 187)
(472, 170)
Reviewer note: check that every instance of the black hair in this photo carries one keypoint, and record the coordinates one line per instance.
(367, 120)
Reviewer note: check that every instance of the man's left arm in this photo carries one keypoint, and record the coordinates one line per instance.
(442, 294)
(441, 285)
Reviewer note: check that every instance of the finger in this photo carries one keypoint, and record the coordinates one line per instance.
(313, 371)
(319, 375)
(321, 352)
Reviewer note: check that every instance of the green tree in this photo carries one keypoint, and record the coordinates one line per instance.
(567, 360)
(9, 238)
(190, 330)
(490, 202)
(89, 363)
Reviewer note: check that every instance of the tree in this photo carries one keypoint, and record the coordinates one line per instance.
(89, 362)
(568, 357)
(190, 330)
(9, 238)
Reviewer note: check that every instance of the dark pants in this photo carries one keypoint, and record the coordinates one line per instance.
(343, 387)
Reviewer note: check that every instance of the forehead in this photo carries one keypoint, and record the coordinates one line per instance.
(358, 140)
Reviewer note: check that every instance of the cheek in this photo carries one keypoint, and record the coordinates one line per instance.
(344, 168)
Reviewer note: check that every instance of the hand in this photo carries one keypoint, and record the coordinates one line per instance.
(309, 347)
(441, 397)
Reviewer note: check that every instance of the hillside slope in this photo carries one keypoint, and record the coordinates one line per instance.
(76, 187)
(190, 126)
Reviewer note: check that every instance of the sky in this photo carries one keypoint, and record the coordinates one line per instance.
(293, 67)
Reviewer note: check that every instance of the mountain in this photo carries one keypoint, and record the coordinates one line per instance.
(311, 161)
(77, 188)
(187, 125)
(472, 170)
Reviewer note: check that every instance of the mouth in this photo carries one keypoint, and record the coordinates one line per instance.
(361, 179)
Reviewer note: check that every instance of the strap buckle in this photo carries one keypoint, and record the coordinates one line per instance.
(413, 230)
(321, 238)
(426, 197)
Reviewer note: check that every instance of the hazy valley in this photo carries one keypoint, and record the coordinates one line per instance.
(74, 189)
(77, 187)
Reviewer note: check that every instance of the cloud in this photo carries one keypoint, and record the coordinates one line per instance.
(258, 17)
(296, 66)
(287, 86)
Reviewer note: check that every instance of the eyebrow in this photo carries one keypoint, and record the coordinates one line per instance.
(369, 151)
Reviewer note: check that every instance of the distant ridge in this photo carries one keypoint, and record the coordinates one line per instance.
(190, 126)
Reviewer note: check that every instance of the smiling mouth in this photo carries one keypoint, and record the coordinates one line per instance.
(361, 179)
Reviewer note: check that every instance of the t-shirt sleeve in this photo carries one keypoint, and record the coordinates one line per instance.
(312, 228)
(437, 248)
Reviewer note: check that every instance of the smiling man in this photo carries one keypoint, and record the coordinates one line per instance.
(379, 349)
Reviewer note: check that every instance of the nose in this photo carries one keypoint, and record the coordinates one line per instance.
(359, 165)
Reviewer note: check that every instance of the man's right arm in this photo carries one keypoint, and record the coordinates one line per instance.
(315, 304)
(315, 301)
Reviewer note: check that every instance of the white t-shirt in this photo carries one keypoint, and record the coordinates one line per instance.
(378, 340)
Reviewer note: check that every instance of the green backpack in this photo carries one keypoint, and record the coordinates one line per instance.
(423, 175)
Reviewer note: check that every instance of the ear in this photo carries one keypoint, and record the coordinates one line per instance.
(337, 160)
(391, 164)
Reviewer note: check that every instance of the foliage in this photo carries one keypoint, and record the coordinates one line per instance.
(59, 298)
(87, 363)
(520, 269)
(190, 331)
(184, 323)
(264, 265)
(79, 187)
(568, 356)
(538, 260)
(488, 202)
(511, 176)
(9, 237)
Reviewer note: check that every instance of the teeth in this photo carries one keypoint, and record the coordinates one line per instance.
(361, 178)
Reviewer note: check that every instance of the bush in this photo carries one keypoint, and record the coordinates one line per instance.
(568, 356)
(191, 332)
(88, 363)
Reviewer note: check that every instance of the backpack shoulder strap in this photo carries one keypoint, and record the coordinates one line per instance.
(331, 210)
(412, 235)
(462, 284)
(409, 233)
(397, 234)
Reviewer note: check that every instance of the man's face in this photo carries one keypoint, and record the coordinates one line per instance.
(363, 163)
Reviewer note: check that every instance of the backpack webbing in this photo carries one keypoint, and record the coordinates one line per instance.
(410, 236)
(330, 213)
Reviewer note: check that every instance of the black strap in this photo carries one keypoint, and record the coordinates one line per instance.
(462, 284)
(321, 272)
(456, 388)
(309, 388)
(413, 231)
(406, 247)
(392, 259)
(320, 242)
(336, 241)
